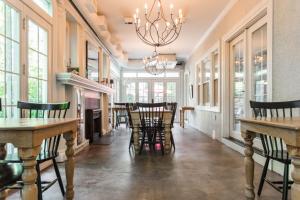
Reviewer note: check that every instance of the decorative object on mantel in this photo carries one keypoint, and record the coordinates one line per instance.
(81, 82)
(155, 64)
(74, 70)
(158, 30)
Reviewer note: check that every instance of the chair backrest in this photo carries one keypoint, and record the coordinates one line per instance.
(283, 109)
(151, 115)
(173, 107)
(49, 110)
(0, 104)
(129, 108)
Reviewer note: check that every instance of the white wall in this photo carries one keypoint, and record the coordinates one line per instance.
(286, 50)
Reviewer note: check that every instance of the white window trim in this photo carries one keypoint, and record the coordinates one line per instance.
(264, 8)
(209, 55)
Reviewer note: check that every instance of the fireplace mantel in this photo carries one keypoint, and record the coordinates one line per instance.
(81, 82)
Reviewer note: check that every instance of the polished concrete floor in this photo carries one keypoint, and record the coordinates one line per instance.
(199, 169)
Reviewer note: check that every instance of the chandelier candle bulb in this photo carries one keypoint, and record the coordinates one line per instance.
(146, 9)
(158, 6)
(171, 8)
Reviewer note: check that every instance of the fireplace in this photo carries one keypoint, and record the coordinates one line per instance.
(93, 121)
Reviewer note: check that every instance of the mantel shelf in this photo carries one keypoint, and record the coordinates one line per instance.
(81, 82)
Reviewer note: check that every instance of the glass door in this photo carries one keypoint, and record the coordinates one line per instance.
(171, 93)
(38, 59)
(143, 92)
(158, 92)
(10, 58)
(258, 60)
(238, 83)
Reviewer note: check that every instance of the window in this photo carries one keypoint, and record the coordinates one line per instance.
(208, 80)
(130, 92)
(46, 5)
(37, 63)
(171, 92)
(158, 91)
(143, 92)
(9, 59)
(216, 70)
(259, 63)
(129, 75)
(204, 77)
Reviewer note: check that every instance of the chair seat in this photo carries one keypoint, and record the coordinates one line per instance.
(10, 174)
(281, 156)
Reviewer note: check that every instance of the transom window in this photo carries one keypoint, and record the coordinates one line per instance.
(46, 5)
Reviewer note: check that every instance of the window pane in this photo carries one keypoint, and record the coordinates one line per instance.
(2, 52)
(130, 92)
(33, 89)
(37, 63)
(46, 5)
(43, 41)
(129, 75)
(172, 74)
(158, 92)
(43, 67)
(171, 92)
(259, 63)
(238, 84)
(33, 36)
(2, 18)
(143, 92)
(9, 59)
(33, 63)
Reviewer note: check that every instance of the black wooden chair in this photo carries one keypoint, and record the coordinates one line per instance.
(273, 148)
(151, 119)
(173, 107)
(50, 145)
(10, 173)
(130, 107)
(121, 114)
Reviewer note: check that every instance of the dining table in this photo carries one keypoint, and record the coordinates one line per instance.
(288, 129)
(27, 134)
(136, 123)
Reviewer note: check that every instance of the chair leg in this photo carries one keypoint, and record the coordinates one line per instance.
(161, 144)
(39, 182)
(142, 143)
(61, 185)
(131, 140)
(263, 176)
(285, 182)
(172, 141)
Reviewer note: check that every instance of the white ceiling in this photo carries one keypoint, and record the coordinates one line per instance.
(199, 14)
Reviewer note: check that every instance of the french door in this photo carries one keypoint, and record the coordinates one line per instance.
(248, 72)
(24, 56)
(238, 83)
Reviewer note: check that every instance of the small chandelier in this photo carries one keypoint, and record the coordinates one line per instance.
(155, 29)
(154, 64)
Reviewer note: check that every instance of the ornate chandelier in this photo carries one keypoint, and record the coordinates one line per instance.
(154, 64)
(156, 29)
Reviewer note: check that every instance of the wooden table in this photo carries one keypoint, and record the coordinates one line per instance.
(27, 135)
(182, 110)
(167, 117)
(288, 130)
(116, 109)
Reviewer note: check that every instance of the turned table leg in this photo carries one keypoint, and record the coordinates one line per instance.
(181, 119)
(167, 145)
(295, 155)
(249, 165)
(3, 194)
(113, 119)
(69, 164)
(28, 155)
(136, 139)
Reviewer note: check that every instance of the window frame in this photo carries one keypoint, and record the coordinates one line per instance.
(209, 56)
